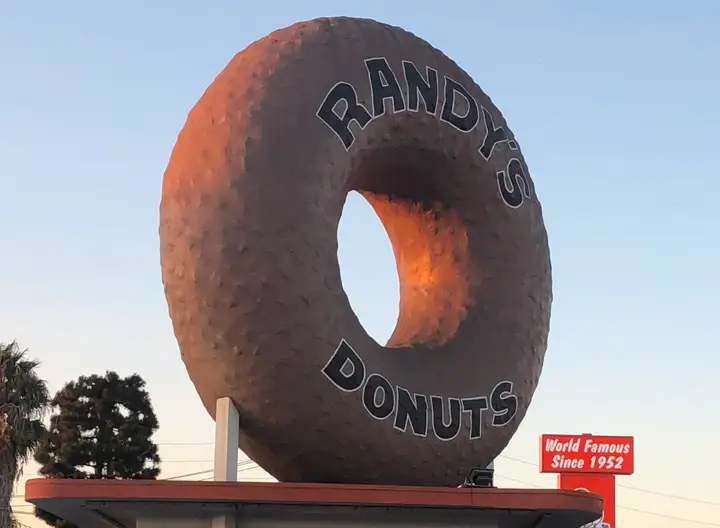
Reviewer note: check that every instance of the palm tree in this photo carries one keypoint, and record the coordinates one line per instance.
(24, 400)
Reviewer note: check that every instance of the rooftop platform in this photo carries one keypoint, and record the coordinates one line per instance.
(185, 504)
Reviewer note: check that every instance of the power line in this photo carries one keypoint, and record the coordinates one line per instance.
(670, 495)
(203, 461)
(170, 444)
(247, 479)
(519, 481)
(184, 443)
(630, 508)
(526, 462)
(186, 475)
(243, 465)
(246, 465)
(625, 486)
(634, 488)
(656, 514)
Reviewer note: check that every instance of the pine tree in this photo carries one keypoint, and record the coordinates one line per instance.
(101, 427)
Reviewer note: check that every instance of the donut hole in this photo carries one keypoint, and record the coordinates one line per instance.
(367, 268)
(417, 196)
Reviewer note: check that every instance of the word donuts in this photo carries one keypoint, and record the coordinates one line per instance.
(251, 202)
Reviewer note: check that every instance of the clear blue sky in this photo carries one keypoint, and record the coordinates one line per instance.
(615, 103)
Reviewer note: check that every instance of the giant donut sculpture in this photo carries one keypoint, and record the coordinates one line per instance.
(251, 202)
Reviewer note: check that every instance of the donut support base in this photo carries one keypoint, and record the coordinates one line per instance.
(184, 504)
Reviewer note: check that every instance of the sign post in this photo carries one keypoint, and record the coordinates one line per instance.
(589, 463)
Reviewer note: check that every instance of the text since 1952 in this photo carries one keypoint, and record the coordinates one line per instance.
(587, 454)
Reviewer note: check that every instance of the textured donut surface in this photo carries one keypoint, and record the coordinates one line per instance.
(251, 201)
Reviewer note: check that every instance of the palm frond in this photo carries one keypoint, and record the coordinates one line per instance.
(24, 402)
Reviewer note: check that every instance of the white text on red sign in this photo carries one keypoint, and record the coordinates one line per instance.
(587, 454)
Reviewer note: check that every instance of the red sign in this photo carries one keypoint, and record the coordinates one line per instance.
(614, 455)
(603, 485)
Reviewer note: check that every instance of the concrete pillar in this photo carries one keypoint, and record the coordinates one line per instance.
(224, 521)
(227, 429)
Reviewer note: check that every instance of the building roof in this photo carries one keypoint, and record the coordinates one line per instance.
(97, 503)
